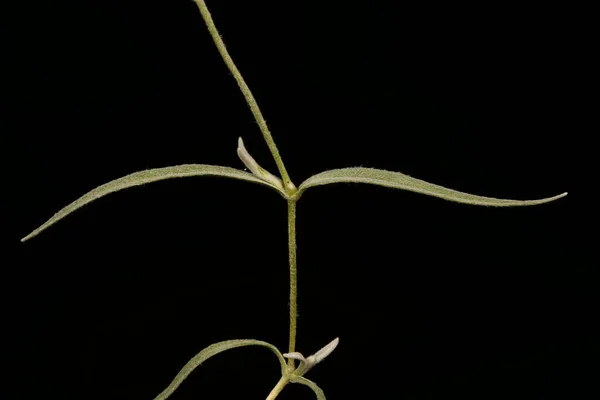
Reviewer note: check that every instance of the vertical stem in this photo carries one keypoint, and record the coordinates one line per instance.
(289, 186)
(293, 276)
(278, 388)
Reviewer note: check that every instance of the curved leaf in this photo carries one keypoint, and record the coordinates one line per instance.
(211, 351)
(147, 176)
(303, 381)
(398, 180)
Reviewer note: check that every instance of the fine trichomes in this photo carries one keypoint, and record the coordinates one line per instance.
(259, 175)
(284, 186)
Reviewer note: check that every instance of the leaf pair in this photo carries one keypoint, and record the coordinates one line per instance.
(217, 348)
(372, 176)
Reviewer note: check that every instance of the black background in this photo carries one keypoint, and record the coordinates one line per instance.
(430, 299)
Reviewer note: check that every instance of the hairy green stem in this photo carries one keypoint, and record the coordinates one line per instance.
(289, 186)
(293, 277)
(278, 388)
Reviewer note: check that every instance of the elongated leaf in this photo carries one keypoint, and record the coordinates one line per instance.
(303, 381)
(398, 180)
(147, 176)
(211, 351)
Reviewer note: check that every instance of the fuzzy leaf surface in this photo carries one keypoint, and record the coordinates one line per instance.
(303, 381)
(208, 353)
(147, 176)
(398, 180)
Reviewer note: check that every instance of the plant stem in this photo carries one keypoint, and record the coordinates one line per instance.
(289, 186)
(293, 277)
(278, 388)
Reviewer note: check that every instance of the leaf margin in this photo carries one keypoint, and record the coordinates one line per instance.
(148, 176)
(398, 180)
(307, 382)
(211, 351)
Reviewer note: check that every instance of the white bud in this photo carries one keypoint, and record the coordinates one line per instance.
(256, 169)
(325, 351)
(247, 159)
(295, 355)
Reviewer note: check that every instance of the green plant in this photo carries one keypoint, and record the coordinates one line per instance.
(284, 186)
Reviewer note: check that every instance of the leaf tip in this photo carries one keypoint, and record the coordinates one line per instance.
(26, 238)
(295, 356)
(247, 159)
(553, 198)
(327, 350)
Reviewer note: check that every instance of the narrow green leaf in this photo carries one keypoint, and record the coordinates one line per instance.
(398, 180)
(303, 381)
(147, 176)
(211, 351)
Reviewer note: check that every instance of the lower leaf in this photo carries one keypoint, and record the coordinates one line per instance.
(303, 381)
(211, 351)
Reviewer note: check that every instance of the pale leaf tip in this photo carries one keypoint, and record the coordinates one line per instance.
(26, 238)
(247, 159)
(559, 196)
(327, 350)
(295, 355)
